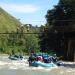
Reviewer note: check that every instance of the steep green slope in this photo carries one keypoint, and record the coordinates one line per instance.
(7, 22)
(16, 43)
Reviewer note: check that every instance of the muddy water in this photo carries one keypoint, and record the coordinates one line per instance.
(21, 67)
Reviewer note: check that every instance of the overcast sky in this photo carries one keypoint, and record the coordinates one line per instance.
(28, 11)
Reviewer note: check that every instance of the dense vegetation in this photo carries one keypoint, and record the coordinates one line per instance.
(60, 20)
(16, 42)
(54, 37)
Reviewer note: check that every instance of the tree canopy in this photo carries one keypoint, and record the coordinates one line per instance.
(60, 19)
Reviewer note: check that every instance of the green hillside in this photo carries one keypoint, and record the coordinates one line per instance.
(16, 43)
(7, 22)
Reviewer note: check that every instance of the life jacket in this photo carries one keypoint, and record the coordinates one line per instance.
(39, 58)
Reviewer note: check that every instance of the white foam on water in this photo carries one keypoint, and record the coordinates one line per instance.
(23, 65)
(3, 63)
(70, 70)
(12, 67)
(44, 68)
(61, 72)
(37, 68)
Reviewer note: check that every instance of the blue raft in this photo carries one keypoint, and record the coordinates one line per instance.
(15, 57)
(38, 63)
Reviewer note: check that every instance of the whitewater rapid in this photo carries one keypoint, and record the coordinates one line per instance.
(5, 62)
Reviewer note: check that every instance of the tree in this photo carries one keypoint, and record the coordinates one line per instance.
(60, 19)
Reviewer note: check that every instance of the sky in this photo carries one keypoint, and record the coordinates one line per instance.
(28, 11)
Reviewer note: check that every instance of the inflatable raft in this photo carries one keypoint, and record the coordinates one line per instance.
(15, 57)
(38, 63)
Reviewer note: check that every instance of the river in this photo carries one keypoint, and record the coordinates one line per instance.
(21, 67)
